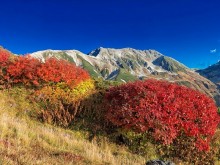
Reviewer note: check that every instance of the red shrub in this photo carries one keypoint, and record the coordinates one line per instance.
(164, 109)
(4, 61)
(31, 71)
(23, 70)
(4, 56)
(54, 70)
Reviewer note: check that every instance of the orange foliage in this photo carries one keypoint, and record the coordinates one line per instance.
(23, 70)
(4, 61)
(4, 57)
(54, 70)
(31, 72)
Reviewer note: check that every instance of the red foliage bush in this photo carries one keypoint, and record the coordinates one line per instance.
(23, 70)
(4, 57)
(4, 61)
(30, 71)
(164, 109)
(54, 70)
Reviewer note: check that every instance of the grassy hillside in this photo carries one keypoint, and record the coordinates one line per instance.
(87, 66)
(169, 64)
(125, 76)
(24, 140)
(59, 55)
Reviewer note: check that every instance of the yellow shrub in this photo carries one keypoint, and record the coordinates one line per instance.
(60, 104)
(83, 89)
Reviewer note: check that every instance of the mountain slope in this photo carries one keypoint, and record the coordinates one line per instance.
(212, 73)
(129, 64)
(169, 64)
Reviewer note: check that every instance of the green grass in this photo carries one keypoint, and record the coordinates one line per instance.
(185, 83)
(87, 66)
(105, 72)
(59, 55)
(169, 64)
(65, 56)
(125, 75)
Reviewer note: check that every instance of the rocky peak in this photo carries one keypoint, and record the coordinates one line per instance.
(107, 53)
(96, 51)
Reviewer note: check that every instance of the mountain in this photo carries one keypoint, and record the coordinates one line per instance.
(113, 64)
(212, 73)
(129, 64)
(169, 64)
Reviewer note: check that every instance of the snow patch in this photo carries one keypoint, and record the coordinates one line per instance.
(123, 80)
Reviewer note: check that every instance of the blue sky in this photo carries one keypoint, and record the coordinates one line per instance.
(187, 30)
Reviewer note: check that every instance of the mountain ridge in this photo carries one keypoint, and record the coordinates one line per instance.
(116, 57)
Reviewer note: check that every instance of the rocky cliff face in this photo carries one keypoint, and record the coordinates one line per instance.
(130, 64)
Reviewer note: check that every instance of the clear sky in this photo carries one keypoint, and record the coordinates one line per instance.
(187, 30)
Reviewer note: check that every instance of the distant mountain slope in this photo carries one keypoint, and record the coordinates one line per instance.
(212, 73)
(169, 64)
(129, 64)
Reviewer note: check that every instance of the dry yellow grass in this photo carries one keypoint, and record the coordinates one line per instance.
(25, 141)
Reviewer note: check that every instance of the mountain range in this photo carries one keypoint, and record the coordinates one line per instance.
(129, 64)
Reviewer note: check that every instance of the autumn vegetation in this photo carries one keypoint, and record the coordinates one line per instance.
(166, 111)
(146, 119)
(58, 85)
